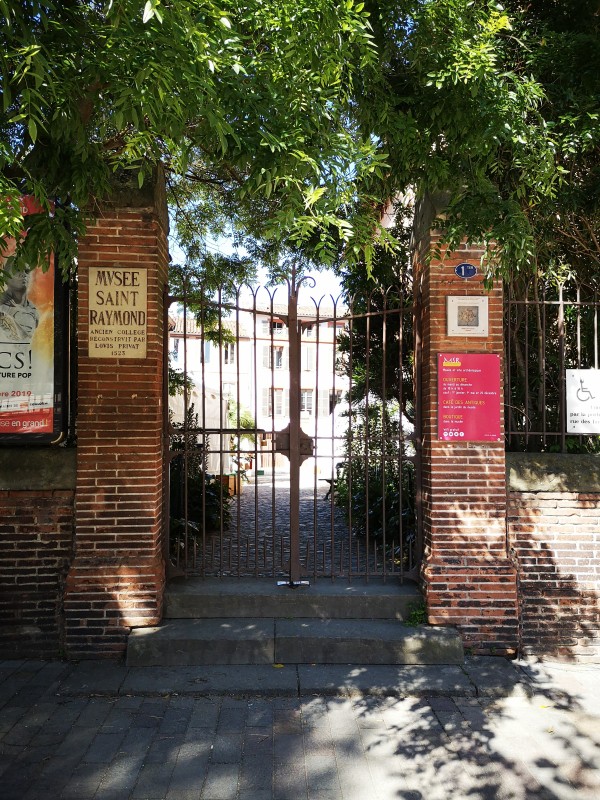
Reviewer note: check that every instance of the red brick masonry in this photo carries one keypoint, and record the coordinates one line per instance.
(556, 539)
(469, 579)
(117, 578)
(36, 547)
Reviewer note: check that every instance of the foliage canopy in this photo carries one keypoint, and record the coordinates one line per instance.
(496, 105)
(258, 89)
(297, 124)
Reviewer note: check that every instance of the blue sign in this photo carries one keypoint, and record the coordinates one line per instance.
(466, 270)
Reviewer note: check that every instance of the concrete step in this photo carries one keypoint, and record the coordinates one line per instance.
(193, 642)
(310, 641)
(197, 598)
(199, 642)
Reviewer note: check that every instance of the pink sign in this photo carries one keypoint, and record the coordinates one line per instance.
(469, 404)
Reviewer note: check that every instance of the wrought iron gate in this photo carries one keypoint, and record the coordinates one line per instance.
(290, 434)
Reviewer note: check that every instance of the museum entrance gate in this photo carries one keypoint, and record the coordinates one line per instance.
(290, 434)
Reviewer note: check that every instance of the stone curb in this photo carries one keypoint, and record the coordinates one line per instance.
(484, 677)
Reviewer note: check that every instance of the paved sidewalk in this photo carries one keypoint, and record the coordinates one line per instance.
(492, 729)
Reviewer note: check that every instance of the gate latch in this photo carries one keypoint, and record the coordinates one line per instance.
(282, 444)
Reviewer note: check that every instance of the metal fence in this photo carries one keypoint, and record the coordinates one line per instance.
(550, 327)
(249, 371)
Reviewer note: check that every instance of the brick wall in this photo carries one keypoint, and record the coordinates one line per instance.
(117, 578)
(36, 547)
(554, 530)
(468, 577)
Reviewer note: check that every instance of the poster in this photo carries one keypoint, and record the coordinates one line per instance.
(27, 327)
(583, 401)
(469, 401)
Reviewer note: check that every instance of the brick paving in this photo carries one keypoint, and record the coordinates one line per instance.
(499, 743)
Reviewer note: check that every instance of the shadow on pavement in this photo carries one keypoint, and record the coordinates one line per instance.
(505, 730)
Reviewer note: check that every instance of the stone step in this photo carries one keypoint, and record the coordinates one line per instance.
(310, 641)
(200, 642)
(193, 642)
(197, 598)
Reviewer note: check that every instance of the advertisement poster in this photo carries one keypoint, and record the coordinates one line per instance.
(27, 325)
(583, 401)
(469, 401)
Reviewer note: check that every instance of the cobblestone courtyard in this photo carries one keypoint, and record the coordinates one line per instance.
(261, 514)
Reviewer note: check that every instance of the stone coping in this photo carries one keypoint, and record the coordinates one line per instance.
(48, 468)
(552, 472)
(37, 468)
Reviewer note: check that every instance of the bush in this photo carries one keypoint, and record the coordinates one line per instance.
(376, 487)
(204, 501)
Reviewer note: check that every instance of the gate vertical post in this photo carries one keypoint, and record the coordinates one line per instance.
(468, 576)
(294, 452)
(116, 579)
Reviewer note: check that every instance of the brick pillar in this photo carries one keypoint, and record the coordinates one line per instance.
(116, 580)
(468, 577)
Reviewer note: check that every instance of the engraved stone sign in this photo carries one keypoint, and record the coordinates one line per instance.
(118, 310)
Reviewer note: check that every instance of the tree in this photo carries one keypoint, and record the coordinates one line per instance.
(258, 90)
(565, 58)
(495, 106)
(377, 353)
(484, 102)
(300, 124)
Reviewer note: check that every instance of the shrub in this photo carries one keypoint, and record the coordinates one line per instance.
(376, 487)
(202, 500)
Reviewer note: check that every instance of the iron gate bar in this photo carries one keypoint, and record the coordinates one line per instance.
(333, 465)
(400, 443)
(316, 440)
(562, 402)
(330, 556)
(367, 428)
(566, 316)
(294, 444)
(273, 449)
(166, 439)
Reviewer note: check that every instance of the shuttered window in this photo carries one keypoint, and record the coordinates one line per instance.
(275, 402)
(306, 401)
(275, 357)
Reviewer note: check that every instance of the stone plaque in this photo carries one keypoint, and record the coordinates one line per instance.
(118, 312)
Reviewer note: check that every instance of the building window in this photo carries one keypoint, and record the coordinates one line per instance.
(309, 330)
(335, 397)
(175, 350)
(308, 358)
(328, 400)
(273, 327)
(229, 353)
(206, 352)
(306, 401)
(274, 357)
(275, 402)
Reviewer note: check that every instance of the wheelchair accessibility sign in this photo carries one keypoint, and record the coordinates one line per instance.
(583, 401)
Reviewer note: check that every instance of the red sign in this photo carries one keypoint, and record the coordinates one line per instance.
(469, 402)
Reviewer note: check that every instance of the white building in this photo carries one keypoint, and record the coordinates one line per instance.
(245, 361)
